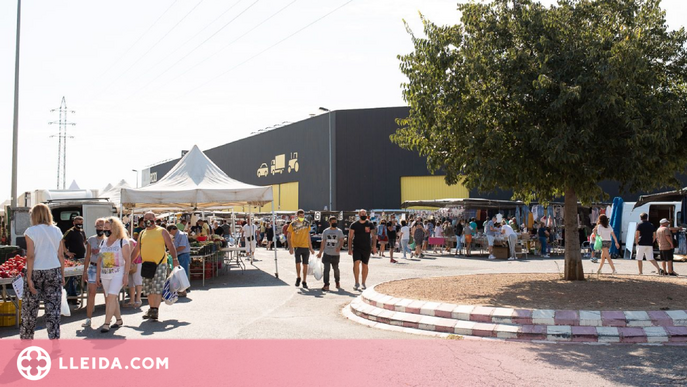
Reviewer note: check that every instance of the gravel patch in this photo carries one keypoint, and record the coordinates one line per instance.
(547, 291)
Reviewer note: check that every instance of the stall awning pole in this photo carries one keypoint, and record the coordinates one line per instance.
(274, 241)
(252, 237)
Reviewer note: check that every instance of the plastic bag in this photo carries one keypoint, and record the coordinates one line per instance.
(169, 296)
(65, 306)
(598, 243)
(178, 280)
(318, 269)
(311, 265)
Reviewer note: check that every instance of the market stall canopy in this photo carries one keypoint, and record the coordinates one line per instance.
(668, 196)
(195, 182)
(114, 194)
(466, 203)
(107, 188)
(74, 186)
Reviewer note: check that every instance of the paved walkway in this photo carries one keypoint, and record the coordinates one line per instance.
(256, 305)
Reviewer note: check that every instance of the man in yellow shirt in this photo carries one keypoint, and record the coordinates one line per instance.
(151, 245)
(300, 245)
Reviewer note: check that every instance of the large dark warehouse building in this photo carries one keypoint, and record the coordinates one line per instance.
(341, 160)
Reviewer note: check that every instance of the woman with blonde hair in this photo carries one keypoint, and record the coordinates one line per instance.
(44, 273)
(114, 262)
(91, 268)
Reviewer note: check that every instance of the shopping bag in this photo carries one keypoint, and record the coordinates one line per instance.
(318, 269)
(311, 265)
(179, 280)
(598, 242)
(65, 306)
(169, 296)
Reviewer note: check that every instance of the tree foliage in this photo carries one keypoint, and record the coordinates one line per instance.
(539, 100)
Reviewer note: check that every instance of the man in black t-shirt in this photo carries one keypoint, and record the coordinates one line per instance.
(75, 240)
(74, 244)
(645, 236)
(392, 232)
(362, 241)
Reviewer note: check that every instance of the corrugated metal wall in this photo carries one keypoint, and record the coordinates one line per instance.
(429, 188)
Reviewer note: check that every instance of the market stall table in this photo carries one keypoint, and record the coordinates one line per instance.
(234, 252)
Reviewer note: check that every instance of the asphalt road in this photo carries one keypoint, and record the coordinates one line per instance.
(256, 305)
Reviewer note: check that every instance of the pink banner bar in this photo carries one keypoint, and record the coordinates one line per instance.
(229, 362)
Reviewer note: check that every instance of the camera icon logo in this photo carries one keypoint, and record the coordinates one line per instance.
(33, 363)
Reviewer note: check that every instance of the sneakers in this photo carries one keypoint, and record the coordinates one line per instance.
(393, 261)
(87, 323)
(492, 257)
(298, 281)
(147, 314)
(338, 285)
(305, 286)
(512, 259)
(356, 287)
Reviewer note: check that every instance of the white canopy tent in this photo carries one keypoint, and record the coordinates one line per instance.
(196, 183)
(114, 194)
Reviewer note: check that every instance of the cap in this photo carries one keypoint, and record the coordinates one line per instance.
(664, 220)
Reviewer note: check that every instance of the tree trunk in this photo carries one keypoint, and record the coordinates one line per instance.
(573, 257)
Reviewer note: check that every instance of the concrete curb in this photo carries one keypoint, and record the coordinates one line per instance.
(529, 325)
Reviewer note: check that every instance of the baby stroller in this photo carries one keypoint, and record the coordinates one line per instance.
(589, 253)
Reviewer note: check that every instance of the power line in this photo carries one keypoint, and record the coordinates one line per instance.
(187, 41)
(197, 47)
(270, 47)
(155, 45)
(139, 39)
(234, 41)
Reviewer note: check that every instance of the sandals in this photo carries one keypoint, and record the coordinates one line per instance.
(118, 323)
(138, 304)
(129, 305)
(105, 328)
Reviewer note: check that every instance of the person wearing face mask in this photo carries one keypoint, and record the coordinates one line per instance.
(74, 246)
(300, 245)
(151, 246)
(114, 261)
(332, 242)
(91, 268)
(362, 241)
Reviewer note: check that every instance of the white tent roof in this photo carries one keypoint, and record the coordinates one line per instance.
(74, 186)
(195, 183)
(107, 188)
(114, 193)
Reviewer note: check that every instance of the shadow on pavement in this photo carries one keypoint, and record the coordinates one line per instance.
(251, 277)
(620, 364)
(148, 328)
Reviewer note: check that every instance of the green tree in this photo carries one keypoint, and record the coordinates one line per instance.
(548, 101)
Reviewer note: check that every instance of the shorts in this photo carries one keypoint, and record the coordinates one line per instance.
(136, 279)
(154, 285)
(605, 244)
(490, 240)
(667, 255)
(392, 242)
(92, 271)
(302, 255)
(645, 251)
(112, 285)
(363, 256)
(468, 238)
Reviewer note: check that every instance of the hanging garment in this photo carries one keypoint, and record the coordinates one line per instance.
(530, 220)
(682, 243)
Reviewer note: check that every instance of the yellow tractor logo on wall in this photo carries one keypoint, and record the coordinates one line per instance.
(293, 162)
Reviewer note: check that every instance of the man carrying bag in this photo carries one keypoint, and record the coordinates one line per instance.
(151, 245)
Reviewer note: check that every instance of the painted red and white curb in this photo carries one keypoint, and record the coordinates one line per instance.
(581, 326)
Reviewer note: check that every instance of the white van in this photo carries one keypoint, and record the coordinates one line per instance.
(656, 210)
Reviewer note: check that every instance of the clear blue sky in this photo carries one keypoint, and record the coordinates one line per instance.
(143, 90)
